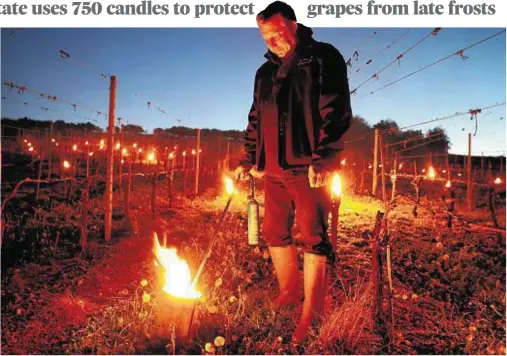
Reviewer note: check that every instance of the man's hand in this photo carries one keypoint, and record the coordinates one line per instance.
(241, 173)
(317, 180)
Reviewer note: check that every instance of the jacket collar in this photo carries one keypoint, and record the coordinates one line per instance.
(304, 44)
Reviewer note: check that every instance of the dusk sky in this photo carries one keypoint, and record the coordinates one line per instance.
(204, 77)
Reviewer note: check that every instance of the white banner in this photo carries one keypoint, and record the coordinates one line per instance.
(241, 13)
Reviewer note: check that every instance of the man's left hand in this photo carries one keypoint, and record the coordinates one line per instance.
(317, 179)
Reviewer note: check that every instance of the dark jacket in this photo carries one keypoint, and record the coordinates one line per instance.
(313, 105)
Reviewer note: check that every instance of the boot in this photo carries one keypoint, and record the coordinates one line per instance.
(285, 261)
(316, 279)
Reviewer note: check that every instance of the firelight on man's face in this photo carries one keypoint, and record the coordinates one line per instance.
(279, 34)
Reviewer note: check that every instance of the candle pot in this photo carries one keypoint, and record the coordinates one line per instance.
(179, 313)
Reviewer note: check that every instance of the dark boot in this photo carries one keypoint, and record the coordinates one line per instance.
(285, 261)
(316, 278)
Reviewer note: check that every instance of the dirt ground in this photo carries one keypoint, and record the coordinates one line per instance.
(449, 285)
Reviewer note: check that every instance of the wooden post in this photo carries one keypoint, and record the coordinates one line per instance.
(382, 171)
(40, 171)
(375, 164)
(108, 197)
(129, 184)
(50, 150)
(393, 177)
(469, 174)
(198, 160)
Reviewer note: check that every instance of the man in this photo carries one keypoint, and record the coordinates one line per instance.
(301, 109)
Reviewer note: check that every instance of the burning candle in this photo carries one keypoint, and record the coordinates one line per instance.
(229, 186)
(431, 173)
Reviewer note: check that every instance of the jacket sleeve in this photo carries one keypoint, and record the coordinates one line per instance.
(335, 109)
(249, 150)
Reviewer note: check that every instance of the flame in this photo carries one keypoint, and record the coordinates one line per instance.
(29, 144)
(30, 149)
(177, 277)
(343, 162)
(118, 145)
(336, 188)
(193, 152)
(66, 164)
(140, 150)
(448, 184)
(151, 156)
(431, 172)
(90, 154)
(74, 147)
(171, 155)
(102, 143)
(25, 141)
(498, 180)
(52, 140)
(134, 145)
(124, 152)
(400, 166)
(86, 143)
(229, 186)
(184, 153)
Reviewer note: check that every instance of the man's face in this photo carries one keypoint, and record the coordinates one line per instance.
(279, 34)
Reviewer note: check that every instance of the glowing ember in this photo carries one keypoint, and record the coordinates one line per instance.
(448, 184)
(498, 180)
(431, 173)
(134, 145)
(66, 164)
(151, 156)
(177, 277)
(336, 187)
(74, 147)
(343, 162)
(229, 185)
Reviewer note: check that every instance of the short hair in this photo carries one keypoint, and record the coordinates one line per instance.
(277, 7)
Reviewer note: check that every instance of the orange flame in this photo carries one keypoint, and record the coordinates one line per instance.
(336, 187)
(66, 164)
(448, 184)
(193, 152)
(498, 180)
(431, 172)
(30, 149)
(229, 186)
(151, 156)
(177, 276)
(74, 147)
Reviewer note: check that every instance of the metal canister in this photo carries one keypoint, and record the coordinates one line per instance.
(253, 215)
